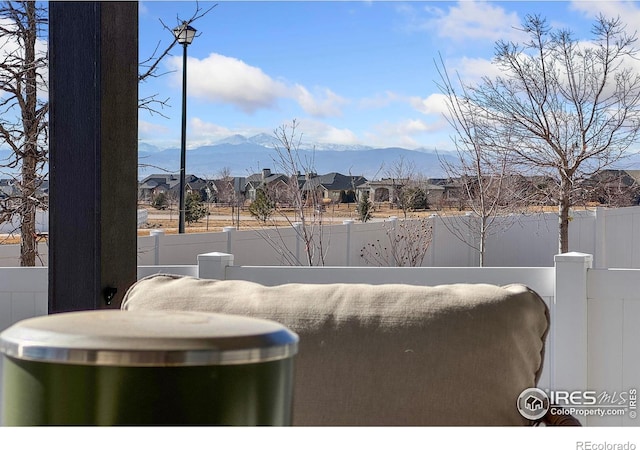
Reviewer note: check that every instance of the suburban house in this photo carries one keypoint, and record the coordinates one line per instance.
(228, 190)
(9, 189)
(169, 184)
(537, 189)
(276, 184)
(607, 187)
(614, 187)
(386, 189)
(334, 186)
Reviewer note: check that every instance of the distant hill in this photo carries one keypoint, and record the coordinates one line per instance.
(244, 157)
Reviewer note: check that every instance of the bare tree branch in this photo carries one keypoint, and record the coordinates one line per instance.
(23, 122)
(152, 63)
(561, 107)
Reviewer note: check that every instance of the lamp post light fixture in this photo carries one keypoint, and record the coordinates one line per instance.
(184, 34)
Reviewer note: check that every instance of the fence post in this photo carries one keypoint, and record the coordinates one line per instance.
(433, 218)
(471, 241)
(600, 246)
(296, 227)
(348, 224)
(394, 222)
(569, 322)
(212, 265)
(229, 230)
(157, 234)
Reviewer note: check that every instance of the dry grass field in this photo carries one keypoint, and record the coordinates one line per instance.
(220, 217)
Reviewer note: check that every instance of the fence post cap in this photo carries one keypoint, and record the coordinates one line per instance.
(573, 257)
(213, 255)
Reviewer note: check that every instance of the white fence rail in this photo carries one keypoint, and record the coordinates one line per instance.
(592, 345)
(530, 242)
(611, 235)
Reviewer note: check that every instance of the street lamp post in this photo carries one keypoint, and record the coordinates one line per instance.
(184, 35)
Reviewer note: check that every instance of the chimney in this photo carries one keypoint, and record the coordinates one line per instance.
(266, 173)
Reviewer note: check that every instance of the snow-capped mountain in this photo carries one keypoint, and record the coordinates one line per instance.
(270, 141)
(244, 156)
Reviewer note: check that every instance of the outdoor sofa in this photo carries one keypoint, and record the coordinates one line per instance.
(391, 354)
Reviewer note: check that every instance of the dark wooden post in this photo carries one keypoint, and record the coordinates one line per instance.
(93, 95)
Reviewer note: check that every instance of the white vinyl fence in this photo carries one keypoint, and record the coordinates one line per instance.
(592, 345)
(611, 235)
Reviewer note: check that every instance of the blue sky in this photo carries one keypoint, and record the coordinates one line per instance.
(353, 73)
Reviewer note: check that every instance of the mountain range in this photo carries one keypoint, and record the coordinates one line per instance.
(244, 156)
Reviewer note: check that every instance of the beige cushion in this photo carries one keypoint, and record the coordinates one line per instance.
(387, 354)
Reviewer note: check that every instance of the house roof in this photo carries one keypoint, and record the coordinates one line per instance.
(635, 174)
(170, 180)
(258, 178)
(334, 181)
(627, 177)
(387, 183)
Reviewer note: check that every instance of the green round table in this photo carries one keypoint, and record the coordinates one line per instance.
(112, 367)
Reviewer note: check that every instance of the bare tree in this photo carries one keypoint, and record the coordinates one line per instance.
(305, 209)
(568, 108)
(229, 194)
(405, 182)
(224, 186)
(484, 177)
(406, 244)
(23, 116)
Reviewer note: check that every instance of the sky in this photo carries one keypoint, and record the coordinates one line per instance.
(349, 73)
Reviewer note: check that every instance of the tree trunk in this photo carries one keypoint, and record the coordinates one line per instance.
(483, 239)
(28, 242)
(563, 207)
(29, 170)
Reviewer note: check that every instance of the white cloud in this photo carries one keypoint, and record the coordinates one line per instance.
(219, 78)
(466, 20)
(628, 11)
(142, 8)
(207, 133)
(317, 132)
(472, 70)
(312, 132)
(433, 104)
(11, 48)
(408, 133)
(150, 130)
(325, 103)
(157, 135)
